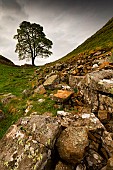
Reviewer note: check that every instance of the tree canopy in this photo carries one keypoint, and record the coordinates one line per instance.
(32, 41)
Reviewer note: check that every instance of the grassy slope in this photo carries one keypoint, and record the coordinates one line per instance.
(102, 39)
(14, 80)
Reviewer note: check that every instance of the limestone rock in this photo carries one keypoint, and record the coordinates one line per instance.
(6, 98)
(40, 90)
(96, 88)
(74, 80)
(72, 143)
(107, 143)
(103, 115)
(62, 95)
(28, 143)
(51, 82)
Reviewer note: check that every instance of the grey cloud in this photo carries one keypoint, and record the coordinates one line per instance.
(12, 4)
(66, 22)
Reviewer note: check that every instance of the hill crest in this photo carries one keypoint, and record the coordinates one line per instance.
(4, 60)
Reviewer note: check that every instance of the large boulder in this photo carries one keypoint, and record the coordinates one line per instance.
(28, 144)
(72, 143)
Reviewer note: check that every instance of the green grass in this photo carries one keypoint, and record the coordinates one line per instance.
(7, 121)
(14, 80)
(46, 106)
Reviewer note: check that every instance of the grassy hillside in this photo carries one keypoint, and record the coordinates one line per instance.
(102, 39)
(15, 80)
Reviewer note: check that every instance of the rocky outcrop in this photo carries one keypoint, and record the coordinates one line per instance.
(96, 88)
(80, 136)
(68, 141)
(40, 90)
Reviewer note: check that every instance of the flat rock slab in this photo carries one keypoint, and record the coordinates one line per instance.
(28, 143)
(62, 95)
(51, 82)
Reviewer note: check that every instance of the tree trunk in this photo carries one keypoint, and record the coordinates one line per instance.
(33, 61)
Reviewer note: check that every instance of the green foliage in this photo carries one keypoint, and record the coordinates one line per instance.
(32, 41)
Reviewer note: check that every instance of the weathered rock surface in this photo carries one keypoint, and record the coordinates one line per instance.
(72, 143)
(110, 164)
(100, 146)
(62, 95)
(97, 88)
(51, 82)
(74, 80)
(40, 90)
(28, 144)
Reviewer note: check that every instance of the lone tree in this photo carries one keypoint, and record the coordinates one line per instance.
(32, 42)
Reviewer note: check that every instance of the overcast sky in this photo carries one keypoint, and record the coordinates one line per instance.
(66, 22)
